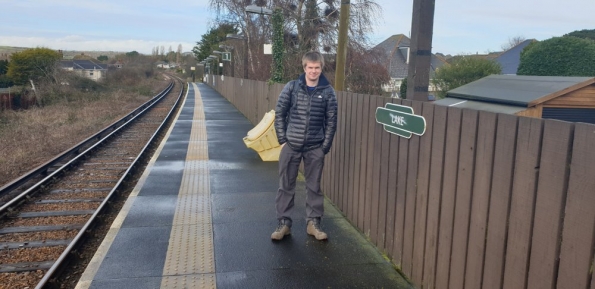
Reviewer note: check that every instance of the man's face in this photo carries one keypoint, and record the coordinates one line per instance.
(312, 70)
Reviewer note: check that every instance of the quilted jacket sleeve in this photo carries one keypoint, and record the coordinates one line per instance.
(281, 112)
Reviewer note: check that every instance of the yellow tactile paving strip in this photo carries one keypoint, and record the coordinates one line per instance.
(190, 260)
(93, 267)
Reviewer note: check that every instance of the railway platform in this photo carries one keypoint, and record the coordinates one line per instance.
(203, 211)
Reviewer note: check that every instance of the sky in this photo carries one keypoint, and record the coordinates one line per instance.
(460, 26)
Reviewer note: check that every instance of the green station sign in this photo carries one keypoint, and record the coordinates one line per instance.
(400, 120)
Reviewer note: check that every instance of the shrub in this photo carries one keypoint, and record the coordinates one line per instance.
(559, 56)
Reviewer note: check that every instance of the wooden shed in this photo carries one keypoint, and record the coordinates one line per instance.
(555, 97)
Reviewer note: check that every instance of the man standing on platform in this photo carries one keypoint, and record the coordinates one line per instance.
(305, 123)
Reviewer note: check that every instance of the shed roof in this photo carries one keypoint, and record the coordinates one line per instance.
(479, 105)
(519, 90)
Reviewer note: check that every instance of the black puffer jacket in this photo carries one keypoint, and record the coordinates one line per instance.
(306, 121)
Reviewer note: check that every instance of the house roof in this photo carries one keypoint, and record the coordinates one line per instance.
(511, 58)
(83, 64)
(396, 49)
(519, 90)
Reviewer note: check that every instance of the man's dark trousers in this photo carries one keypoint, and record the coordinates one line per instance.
(289, 162)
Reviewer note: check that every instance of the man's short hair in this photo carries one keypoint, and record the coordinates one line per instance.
(313, 56)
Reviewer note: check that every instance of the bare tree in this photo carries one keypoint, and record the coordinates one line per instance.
(512, 42)
(365, 70)
(308, 25)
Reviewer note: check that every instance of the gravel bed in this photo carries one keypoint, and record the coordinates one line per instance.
(63, 220)
(60, 207)
(30, 254)
(20, 280)
(38, 236)
(77, 265)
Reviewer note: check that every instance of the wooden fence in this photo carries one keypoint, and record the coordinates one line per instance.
(481, 200)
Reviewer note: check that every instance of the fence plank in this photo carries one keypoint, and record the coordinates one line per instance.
(341, 153)
(248, 109)
(263, 103)
(391, 203)
(578, 241)
(522, 202)
(242, 100)
(379, 132)
(383, 187)
(357, 171)
(353, 147)
(421, 205)
(410, 158)
(402, 198)
(504, 153)
(465, 172)
(345, 191)
(342, 196)
(332, 171)
(436, 172)
(551, 195)
(484, 159)
(451, 161)
(370, 177)
(351, 204)
(396, 201)
(363, 183)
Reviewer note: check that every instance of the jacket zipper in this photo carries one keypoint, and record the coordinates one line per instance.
(308, 115)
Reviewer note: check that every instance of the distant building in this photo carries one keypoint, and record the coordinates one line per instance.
(118, 64)
(511, 58)
(166, 65)
(85, 68)
(396, 49)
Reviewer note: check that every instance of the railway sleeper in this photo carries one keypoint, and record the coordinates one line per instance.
(107, 164)
(32, 229)
(54, 214)
(93, 200)
(25, 266)
(34, 244)
(83, 190)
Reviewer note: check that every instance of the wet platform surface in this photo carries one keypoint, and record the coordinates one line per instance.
(203, 213)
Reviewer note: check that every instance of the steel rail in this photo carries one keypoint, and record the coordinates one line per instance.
(84, 230)
(114, 127)
(42, 170)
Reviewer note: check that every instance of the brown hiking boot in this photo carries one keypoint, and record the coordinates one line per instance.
(314, 230)
(283, 229)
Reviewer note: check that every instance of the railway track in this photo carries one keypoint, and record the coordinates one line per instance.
(47, 213)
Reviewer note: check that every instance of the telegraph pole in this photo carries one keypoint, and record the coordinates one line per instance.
(420, 53)
(342, 46)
